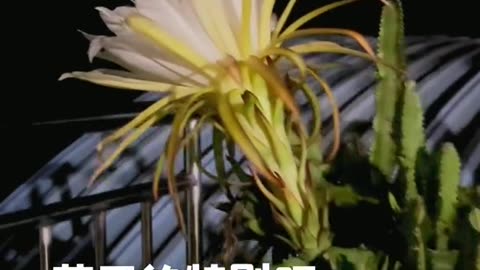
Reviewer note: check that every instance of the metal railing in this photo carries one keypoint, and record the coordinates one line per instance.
(98, 205)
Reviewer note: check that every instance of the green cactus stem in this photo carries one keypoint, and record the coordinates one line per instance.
(389, 89)
(412, 139)
(449, 181)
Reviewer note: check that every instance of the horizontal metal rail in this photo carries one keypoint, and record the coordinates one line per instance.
(57, 212)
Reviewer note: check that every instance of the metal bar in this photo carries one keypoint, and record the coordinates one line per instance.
(146, 233)
(83, 206)
(193, 200)
(87, 120)
(86, 124)
(100, 238)
(45, 240)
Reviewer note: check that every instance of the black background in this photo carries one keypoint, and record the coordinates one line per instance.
(40, 42)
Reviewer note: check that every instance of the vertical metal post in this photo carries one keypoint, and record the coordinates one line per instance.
(146, 233)
(193, 200)
(45, 239)
(100, 241)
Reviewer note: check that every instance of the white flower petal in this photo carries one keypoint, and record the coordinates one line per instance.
(149, 30)
(237, 7)
(221, 25)
(255, 24)
(140, 65)
(114, 19)
(175, 18)
(95, 45)
(172, 40)
(184, 75)
(273, 22)
(233, 8)
(131, 58)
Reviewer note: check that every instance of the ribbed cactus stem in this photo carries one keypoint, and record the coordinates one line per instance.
(449, 181)
(412, 138)
(389, 89)
(416, 257)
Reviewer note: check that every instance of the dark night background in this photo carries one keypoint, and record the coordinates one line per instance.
(42, 42)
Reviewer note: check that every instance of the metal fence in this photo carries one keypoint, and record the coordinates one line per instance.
(97, 206)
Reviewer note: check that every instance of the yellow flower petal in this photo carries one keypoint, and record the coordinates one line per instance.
(283, 18)
(100, 77)
(235, 130)
(246, 35)
(136, 134)
(328, 31)
(266, 23)
(323, 47)
(315, 13)
(275, 84)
